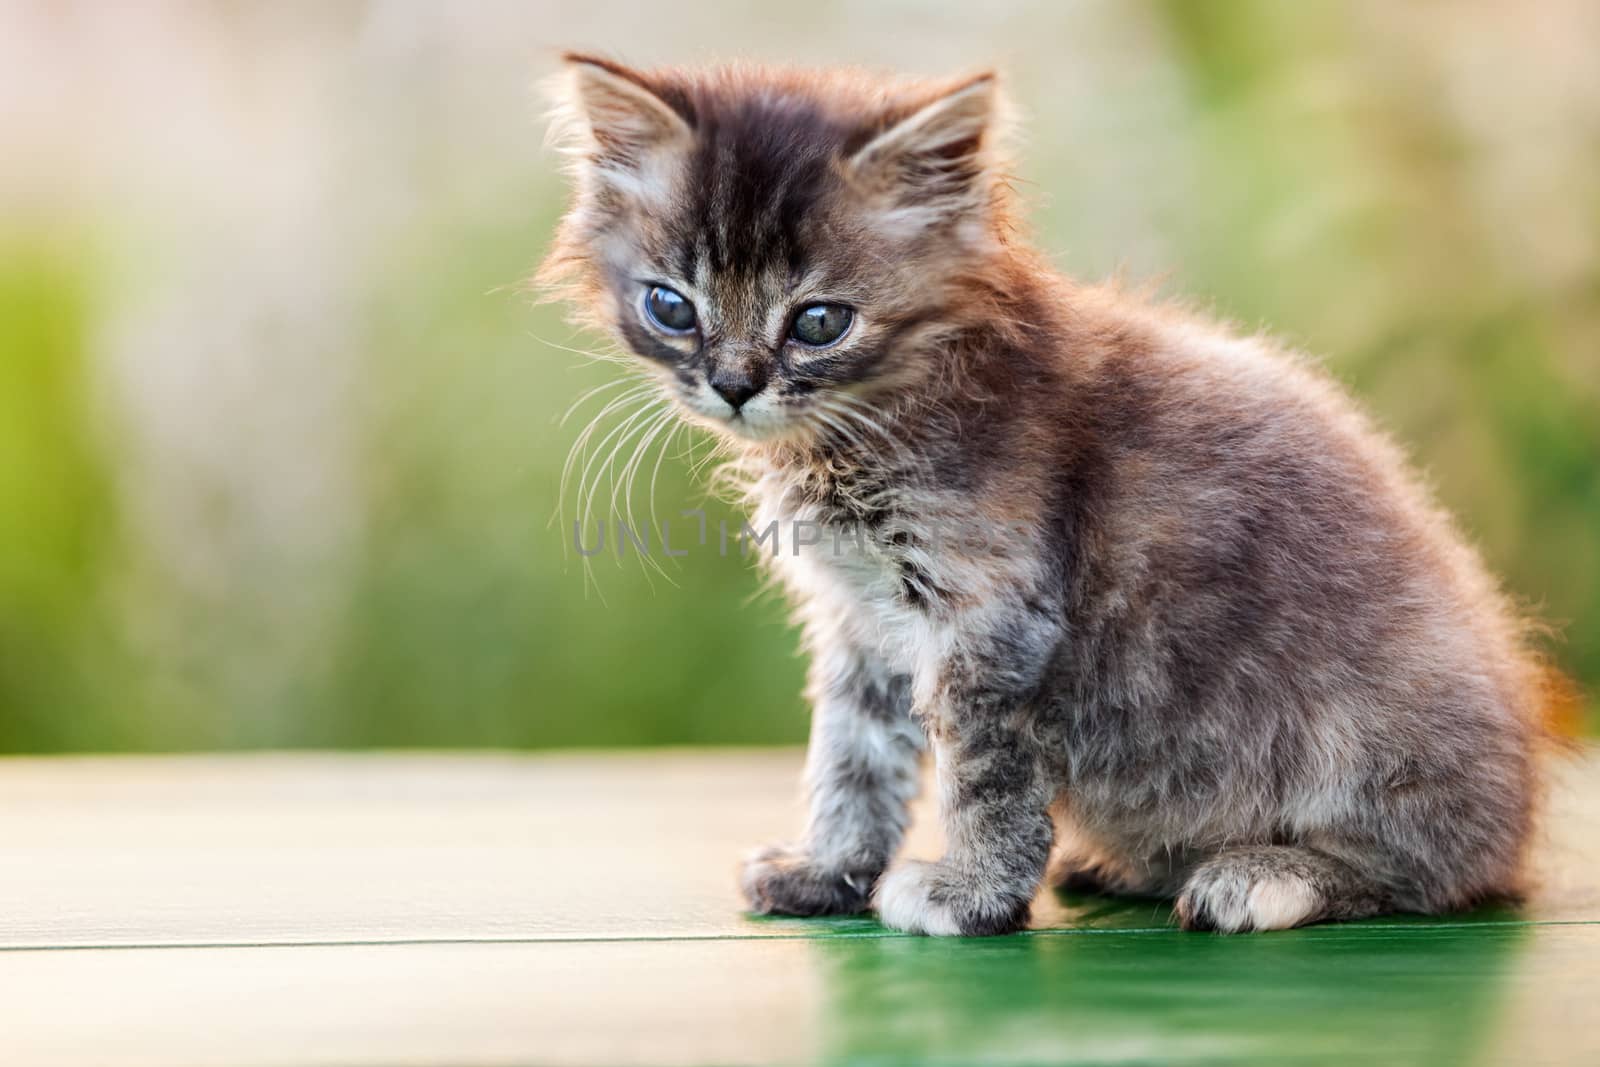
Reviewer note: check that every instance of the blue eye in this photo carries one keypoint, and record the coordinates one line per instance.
(820, 325)
(669, 310)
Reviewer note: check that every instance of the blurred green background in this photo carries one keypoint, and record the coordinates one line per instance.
(279, 432)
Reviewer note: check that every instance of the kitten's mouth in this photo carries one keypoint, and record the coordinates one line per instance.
(759, 428)
(758, 420)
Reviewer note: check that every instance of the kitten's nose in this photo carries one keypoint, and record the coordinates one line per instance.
(736, 384)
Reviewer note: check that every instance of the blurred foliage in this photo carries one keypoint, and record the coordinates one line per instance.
(57, 523)
(300, 487)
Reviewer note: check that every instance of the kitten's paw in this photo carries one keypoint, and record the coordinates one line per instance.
(930, 898)
(1231, 899)
(784, 880)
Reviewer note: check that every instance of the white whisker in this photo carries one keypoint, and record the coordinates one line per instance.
(580, 443)
(616, 355)
(630, 471)
(661, 454)
(579, 448)
(588, 488)
(589, 394)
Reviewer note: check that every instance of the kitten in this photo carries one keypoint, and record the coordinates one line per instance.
(1232, 652)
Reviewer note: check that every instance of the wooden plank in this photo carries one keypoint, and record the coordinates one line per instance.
(272, 849)
(695, 1002)
(282, 849)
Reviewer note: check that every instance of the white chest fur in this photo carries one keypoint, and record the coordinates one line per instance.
(847, 578)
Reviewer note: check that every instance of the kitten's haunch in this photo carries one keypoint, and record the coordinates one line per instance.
(1238, 659)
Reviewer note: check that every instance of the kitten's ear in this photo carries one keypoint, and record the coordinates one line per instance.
(937, 155)
(615, 113)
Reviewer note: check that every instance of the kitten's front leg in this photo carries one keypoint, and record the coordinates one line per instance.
(861, 775)
(995, 794)
(996, 784)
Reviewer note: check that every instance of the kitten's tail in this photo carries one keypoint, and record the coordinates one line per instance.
(1560, 704)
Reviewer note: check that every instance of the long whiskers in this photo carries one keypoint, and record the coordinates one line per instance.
(579, 453)
(624, 483)
(634, 419)
(615, 355)
(592, 476)
(655, 473)
(590, 394)
(580, 444)
(620, 435)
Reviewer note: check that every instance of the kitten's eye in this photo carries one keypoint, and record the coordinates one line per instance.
(668, 309)
(820, 325)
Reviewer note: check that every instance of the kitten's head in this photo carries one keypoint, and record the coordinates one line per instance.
(776, 245)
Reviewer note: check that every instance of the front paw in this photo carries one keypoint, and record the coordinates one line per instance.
(784, 880)
(931, 898)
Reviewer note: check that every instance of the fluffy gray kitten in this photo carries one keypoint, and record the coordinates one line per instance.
(1151, 592)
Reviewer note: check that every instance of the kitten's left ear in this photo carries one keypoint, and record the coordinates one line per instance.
(937, 156)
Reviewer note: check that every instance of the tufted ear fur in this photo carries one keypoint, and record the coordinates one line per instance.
(613, 117)
(935, 158)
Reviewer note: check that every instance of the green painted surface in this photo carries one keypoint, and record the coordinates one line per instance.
(1399, 994)
(1473, 990)
(1468, 991)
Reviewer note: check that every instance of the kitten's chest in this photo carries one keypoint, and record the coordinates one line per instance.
(862, 555)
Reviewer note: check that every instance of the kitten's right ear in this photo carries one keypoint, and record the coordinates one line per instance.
(935, 158)
(618, 115)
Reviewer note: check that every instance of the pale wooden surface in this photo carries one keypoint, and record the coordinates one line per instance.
(582, 909)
